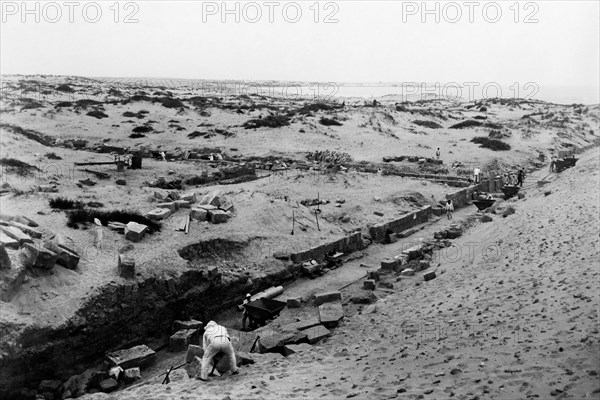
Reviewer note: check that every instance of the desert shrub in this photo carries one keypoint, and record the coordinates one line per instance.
(18, 166)
(329, 122)
(466, 124)
(30, 104)
(62, 203)
(137, 135)
(195, 134)
(427, 124)
(492, 125)
(86, 216)
(129, 114)
(170, 103)
(492, 144)
(314, 107)
(65, 88)
(97, 114)
(143, 129)
(63, 104)
(508, 211)
(53, 156)
(85, 103)
(271, 121)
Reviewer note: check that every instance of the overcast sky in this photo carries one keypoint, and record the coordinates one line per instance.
(370, 42)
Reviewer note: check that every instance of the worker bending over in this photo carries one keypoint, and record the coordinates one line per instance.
(216, 340)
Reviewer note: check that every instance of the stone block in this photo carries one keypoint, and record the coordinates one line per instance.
(414, 252)
(290, 349)
(369, 284)
(242, 341)
(135, 232)
(218, 216)
(330, 314)
(198, 214)
(178, 375)
(392, 238)
(34, 233)
(5, 262)
(407, 232)
(389, 264)
(374, 275)
(182, 204)
(108, 385)
(424, 264)
(191, 324)
(158, 214)
(139, 356)
(211, 199)
(429, 276)
(316, 333)
(270, 341)
(16, 234)
(326, 297)
(193, 351)
(453, 233)
(189, 197)
(225, 204)
(408, 272)
(131, 375)
(171, 206)
(181, 339)
(36, 256)
(364, 298)
(386, 284)
(66, 257)
(126, 266)
(8, 242)
(295, 302)
(306, 324)
(207, 207)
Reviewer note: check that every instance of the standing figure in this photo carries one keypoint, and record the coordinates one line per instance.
(476, 173)
(449, 208)
(437, 153)
(520, 177)
(246, 301)
(216, 340)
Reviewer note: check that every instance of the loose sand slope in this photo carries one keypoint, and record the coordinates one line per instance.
(516, 317)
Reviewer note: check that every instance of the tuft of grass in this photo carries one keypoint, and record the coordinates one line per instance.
(18, 166)
(29, 134)
(427, 124)
(65, 88)
(53, 156)
(329, 122)
(492, 144)
(97, 114)
(137, 136)
(143, 129)
(466, 124)
(63, 203)
(86, 216)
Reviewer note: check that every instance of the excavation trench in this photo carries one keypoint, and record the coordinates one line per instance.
(125, 315)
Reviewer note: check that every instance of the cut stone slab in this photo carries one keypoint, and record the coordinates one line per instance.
(198, 214)
(34, 233)
(369, 284)
(309, 323)
(211, 199)
(193, 351)
(191, 324)
(218, 216)
(330, 314)
(429, 275)
(139, 356)
(131, 375)
(171, 206)
(158, 214)
(5, 262)
(182, 204)
(414, 252)
(116, 226)
(389, 264)
(207, 207)
(135, 232)
(295, 302)
(38, 257)
(8, 242)
(290, 349)
(126, 266)
(364, 298)
(408, 272)
(316, 333)
(66, 257)
(453, 233)
(189, 197)
(271, 340)
(407, 232)
(326, 297)
(225, 204)
(374, 275)
(16, 234)
(180, 340)
(242, 341)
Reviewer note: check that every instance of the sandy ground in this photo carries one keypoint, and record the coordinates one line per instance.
(516, 317)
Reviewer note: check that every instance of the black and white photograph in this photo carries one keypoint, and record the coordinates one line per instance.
(311, 199)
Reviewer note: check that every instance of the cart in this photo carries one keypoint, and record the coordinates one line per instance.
(509, 191)
(567, 162)
(482, 204)
(259, 311)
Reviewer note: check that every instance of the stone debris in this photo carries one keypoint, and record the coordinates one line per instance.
(294, 302)
(178, 375)
(34, 233)
(389, 264)
(330, 314)
(131, 375)
(193, 351)
(135, 232)
(116, 226)
(408, 272)
(5, 262)
(326, 297)
(180, 340)
(306, 324)
(217, 216)
(158, 214)
(290, 349)
(171, 206)
(38, 257)
(191, 324)
(364, 298)
(182, 204)
(139, 356)
(429, 276)
(109, 385)
(189, 197)
(16, 234)
(369, 284)
(66, 257)
(8, 242)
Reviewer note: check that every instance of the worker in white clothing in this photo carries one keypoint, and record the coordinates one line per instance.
(216, 340)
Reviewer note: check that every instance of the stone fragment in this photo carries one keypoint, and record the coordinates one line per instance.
(424, 264)
(5, 262)
(225, 204)
(198, 214)
(178, 375)
(429, 275)
(36, 256)
(326, 297)
(294, 302)
(369, 284)
(131, 375)
(171, 206)
(364, 298)
(126, 266)
(158, 214)
(330, 314)
(189, 197)
(373, 275)
(108, 385)
(191, 324)
(34, 233)
(309, 323)
(217, 216)
(290, 349)
(16, 234)
(182, 204)
(193, 351)
(135, 232)
(8, 242)
(316, 333)
(408, 272)
(211, 199)
(389, 264)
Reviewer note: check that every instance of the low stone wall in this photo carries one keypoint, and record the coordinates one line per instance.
(346, 244)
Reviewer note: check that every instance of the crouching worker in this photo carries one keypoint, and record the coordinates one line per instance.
(216, 340)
